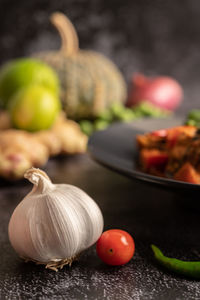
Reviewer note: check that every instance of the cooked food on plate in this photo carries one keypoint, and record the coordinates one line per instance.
(172, 153)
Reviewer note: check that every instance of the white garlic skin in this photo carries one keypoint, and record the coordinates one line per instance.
(54, 222)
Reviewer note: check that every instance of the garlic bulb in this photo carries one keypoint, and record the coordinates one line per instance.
(54, 223)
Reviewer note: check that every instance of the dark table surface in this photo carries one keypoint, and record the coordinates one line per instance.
(154, 37)
(148, 213)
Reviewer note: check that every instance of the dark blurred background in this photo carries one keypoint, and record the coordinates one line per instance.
(149, 36)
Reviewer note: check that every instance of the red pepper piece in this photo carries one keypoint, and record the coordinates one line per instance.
(187, 173)
(174, 133)
(160, 133)
(153, 158)
(172, 138)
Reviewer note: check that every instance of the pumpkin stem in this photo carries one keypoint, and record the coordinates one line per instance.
(67, 33)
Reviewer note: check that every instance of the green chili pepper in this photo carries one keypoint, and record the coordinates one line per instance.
(86, 126)
(187, 268)
(194, 114)
(193, 118)
(106, 116)
(100, 124)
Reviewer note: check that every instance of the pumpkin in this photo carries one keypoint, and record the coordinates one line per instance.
(90, 82)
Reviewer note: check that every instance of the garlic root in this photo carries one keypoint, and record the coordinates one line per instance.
(54, 265)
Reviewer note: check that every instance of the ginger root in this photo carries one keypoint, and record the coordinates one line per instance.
(21, 150)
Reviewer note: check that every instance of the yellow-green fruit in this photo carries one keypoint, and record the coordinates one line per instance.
(34, 108)
(23, 72)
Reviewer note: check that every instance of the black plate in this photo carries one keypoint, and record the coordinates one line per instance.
(116, 149)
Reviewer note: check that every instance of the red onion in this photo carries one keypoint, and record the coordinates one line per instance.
(161, 91)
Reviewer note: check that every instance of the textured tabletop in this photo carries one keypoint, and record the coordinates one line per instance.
(149, 214)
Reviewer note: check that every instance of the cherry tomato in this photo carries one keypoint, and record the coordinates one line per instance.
(115, 247)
